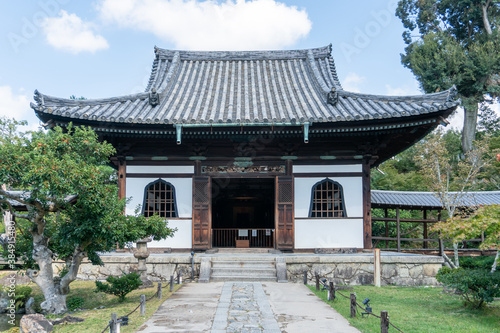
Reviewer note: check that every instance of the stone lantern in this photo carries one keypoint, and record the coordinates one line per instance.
(142, 254)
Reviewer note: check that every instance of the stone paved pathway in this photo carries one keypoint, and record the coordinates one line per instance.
(244, 308)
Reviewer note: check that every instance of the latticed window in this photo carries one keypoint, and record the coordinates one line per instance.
(327, 200)
(159, 198)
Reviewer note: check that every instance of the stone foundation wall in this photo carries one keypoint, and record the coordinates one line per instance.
(159, 267)
(348, 269)
(401, 270)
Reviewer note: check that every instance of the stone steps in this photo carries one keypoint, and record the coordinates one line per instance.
(244, 269)
(251, 250)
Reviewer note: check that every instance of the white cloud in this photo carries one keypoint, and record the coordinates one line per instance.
(69, 33)
(402, 90)
(17, 106)
(352, 82)
(456, 120)
(210, 25)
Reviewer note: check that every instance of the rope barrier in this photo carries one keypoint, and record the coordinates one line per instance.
(104, 330)
(362, 308)
(140, 303)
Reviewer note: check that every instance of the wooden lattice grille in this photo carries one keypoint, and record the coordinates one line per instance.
(327, 200)
(160, 199)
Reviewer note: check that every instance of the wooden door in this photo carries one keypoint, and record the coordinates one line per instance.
(284, 213)
(201, 212)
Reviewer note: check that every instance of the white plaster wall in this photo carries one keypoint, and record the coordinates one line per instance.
(328, 168)
(353, 195)
(182, 237)
(328, 233)
(160, 169)
(184, 200)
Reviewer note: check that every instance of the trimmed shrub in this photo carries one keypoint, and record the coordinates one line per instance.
(119, 286)
(75, 302)
(477, 286)
(483, 262)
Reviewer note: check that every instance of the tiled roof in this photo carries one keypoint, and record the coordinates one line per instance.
(188, 87)
(429, 199)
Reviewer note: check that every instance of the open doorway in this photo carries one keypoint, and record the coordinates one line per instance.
(243, 212)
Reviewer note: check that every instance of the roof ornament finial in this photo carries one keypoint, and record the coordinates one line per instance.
(452, 96)
(38, 97)
(154, 98)
(333, 97)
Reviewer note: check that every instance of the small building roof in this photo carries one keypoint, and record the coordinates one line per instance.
(410, 200)
(253, 87)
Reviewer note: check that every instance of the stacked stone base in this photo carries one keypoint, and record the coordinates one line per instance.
(400, 270)
(346, 269)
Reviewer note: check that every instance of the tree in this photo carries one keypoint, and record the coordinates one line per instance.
(71, 196)
(450, 176)
(485, 220)
(457, 43)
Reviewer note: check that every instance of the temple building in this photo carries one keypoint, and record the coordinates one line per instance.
(252, 149)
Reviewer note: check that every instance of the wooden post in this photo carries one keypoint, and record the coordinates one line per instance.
(386, 214)
(122, 178)
(113, 328)
(317, 282)
(353, 305)
(305, 277)
(171, 283)
(367, 205)
(159, 290)
(398, 226)
(179, 279)
(377, 268)
(426, 233)
(384, 322)
(143, 305)
(331, 294)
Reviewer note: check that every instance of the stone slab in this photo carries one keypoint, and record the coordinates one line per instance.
(191, 309)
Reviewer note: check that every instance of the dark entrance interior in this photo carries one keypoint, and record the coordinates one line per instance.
(243, 212)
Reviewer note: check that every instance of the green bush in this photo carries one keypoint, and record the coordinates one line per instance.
(477, 286)
(22, 295)
(484, 262)
(74, 303)
(119, 286)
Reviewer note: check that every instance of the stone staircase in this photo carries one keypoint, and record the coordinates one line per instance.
(243, 269)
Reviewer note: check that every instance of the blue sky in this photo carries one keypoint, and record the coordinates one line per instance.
(104, 48)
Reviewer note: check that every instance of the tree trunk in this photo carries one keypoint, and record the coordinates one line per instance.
(55, 301)
(470, 122)
(494, 266)
(455, 252)
(486, 21)
(55, 297)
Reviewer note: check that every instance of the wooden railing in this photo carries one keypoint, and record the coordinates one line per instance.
(243, 238)
(429, 242)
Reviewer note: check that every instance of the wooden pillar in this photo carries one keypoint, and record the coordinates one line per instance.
(398, 227)
(289, 168)
(367, 207)
(386, 215)
(122, 178)
(426, 233)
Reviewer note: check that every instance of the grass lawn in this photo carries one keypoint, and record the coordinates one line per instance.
(416, 309)
(96, 320)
